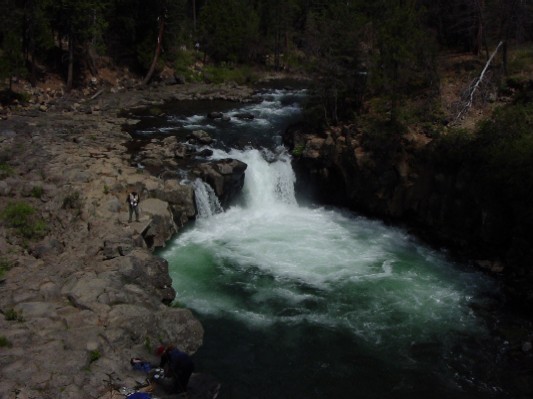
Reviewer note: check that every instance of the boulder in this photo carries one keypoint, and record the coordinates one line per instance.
(48, 246)
(117, 247)
(160, 227)
(215, 115)
(245, 115)
(225, 176)
(202, 137)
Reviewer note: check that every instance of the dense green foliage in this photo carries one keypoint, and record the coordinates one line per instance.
(494, 167)
(355, 50)
(21, 217)
(505, 155)
(4, 342)
(4, 267)
(229, 30)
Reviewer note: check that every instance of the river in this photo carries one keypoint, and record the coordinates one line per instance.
(306, 301)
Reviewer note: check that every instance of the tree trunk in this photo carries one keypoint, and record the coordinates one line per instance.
(394, 95)
(33, 73)
(31, 41)
(277, 40)
(473, 88)
(90, 52)
(478, 43)
(90, 55)
(504, 58)
(157, 50)
(194, 15)
(70, 73)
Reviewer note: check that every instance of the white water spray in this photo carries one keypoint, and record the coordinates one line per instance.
(207, 203)
(268, 184)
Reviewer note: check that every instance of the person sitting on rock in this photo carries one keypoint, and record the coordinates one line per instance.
(133, 205)
(177, 366)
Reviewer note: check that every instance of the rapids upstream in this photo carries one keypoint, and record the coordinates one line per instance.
(314, 302)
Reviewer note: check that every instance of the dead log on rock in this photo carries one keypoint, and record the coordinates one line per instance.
(475, 86)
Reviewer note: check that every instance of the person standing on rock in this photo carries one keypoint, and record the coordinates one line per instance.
(177, 366)
(133, 205)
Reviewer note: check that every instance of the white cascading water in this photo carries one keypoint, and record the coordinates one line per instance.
(207, 203)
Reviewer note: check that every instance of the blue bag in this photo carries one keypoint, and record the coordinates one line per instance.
(139, 395)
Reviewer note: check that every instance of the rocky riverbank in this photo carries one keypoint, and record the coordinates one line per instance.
(81, 291)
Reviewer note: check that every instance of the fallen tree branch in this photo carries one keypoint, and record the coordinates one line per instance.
(475, 85)
(97, 94)
(157, 50)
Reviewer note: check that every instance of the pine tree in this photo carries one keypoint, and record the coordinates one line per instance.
(11, 41)
(333, 41)
(404, 61)
(37, 34)
(80, 23)
(229, 30)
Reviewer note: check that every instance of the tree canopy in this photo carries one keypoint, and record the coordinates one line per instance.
(353, 48)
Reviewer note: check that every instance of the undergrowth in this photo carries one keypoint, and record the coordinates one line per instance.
(21, 217)
(4, 267)
(228, 73)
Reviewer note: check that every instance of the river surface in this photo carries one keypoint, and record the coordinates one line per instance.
(315, 302)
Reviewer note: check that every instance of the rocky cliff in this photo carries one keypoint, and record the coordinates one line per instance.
(81, 291)
(407, 180)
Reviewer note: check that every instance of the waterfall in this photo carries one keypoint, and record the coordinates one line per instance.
(317, 283)
(321, 297)
(207, 203)
(269, 178)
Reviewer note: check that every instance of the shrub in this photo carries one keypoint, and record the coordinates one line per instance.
(4, 267)
(505, 146)
(4, 342)
(20, 216)
(184, 66)
(520, 61)
(13, 315)
(298, 150)
(224, 73)
(72, 201)
(94, 356)
(148, 344)
(5, 170)
(383, 138)
(37, 192)
(452, 149)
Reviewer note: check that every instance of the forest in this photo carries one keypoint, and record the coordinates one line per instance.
(353, 49)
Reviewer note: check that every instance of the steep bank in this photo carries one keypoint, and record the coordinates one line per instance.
(443, 190)
(81, 292)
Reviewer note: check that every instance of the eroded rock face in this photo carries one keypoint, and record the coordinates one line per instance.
(87, 296)
(225, 176)
(81, 299)
(398, 181)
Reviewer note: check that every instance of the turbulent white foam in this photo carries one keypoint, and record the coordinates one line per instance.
(266, 114)
(195, 118)
(199, 127)
(207, 203)
(167, 129)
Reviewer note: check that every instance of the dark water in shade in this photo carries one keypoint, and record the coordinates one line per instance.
(311, 302)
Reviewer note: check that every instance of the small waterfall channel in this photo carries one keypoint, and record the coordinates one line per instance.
(314, 302)
(207, 203)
